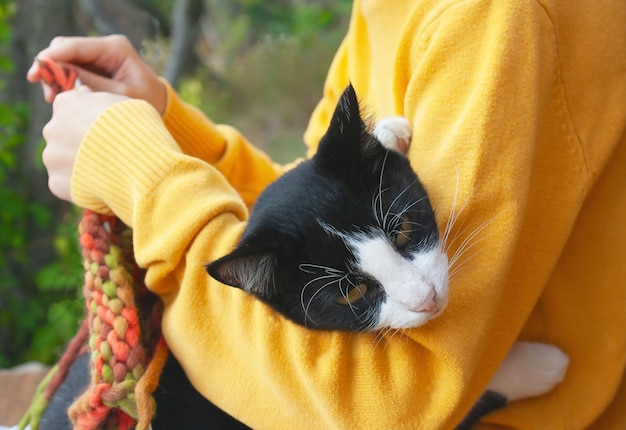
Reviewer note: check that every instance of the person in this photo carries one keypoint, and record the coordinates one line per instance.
(519, 135)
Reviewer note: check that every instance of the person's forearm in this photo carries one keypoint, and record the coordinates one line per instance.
(248, 169)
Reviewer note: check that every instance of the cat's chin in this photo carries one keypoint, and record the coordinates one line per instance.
(396, 316)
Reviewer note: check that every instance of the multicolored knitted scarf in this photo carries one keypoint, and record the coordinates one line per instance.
(121, 329)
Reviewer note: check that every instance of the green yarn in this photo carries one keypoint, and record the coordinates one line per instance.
(110, 260)
(109, 289)
(105, 350)
(107, 374)
(33, 415)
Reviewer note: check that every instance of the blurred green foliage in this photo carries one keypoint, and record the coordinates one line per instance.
(35, 323)
(271, 59)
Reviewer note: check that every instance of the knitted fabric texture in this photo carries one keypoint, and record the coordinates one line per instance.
(121, 331)
(127, 350)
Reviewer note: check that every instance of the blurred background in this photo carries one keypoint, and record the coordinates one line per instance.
(255, 64)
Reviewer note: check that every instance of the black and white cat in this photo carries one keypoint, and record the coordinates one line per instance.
(348, 241)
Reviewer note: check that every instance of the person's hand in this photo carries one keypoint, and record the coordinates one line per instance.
(73, 112)
(108, 63)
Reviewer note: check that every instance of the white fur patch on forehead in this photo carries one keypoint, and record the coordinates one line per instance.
(415, 286)
(332, 231)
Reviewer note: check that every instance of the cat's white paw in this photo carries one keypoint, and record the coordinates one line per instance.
(394, 132)
(530, 369)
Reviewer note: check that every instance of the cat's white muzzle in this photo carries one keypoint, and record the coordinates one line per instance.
(416, 288)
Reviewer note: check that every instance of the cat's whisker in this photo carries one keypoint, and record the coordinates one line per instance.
(328, 270)
(374, 200)
(454, 214)
(400, 194)
(458, 268)
(447, 239)
(305, 307)
(377, 200)
(410, 230)
(398, 221)
(320, 278)
(461, 252)
(394, 333)
(380, 192)
(408, 207)
(470, 241)
(381, 335)
(397, 217)
(387, 335)
(329, 273)
(344, 293)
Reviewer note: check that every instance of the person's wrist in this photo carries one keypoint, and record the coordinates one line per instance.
(159, 97)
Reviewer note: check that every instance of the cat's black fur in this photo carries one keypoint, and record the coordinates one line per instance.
(288, 251)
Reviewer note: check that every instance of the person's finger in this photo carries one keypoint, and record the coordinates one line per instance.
(83, 89)
(49, 93)
(85, 78)
(98, 82)
(104, 54)
(57, 39)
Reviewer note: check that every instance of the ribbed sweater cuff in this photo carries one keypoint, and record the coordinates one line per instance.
(192, 130)
(123, 156)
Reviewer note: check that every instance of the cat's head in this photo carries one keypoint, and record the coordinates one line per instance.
(346, 240)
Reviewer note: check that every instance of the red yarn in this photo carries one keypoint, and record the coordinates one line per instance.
(125, 422)
(120, 349)
(109, 317)
(119, 372)
(98, 363)
(132, 339)
(86, 241)
(97, 256)
(131, 316)
(74, 349)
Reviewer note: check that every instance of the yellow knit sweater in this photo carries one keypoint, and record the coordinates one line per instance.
(518, 111)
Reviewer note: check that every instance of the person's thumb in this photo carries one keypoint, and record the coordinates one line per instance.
(80, 87)
(96, 82)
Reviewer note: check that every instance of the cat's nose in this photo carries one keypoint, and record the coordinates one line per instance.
(429, 304)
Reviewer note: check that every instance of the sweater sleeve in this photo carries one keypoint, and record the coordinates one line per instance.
(220, 145)
(489, 136)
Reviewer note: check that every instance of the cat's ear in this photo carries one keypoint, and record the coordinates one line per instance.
(252, 272)
(346, 120)
(347, 138)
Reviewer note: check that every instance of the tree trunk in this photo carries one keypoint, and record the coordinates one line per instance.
(184, 35)
(122, 17)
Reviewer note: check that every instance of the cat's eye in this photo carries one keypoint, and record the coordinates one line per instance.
(402, 232)
(353, 295)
